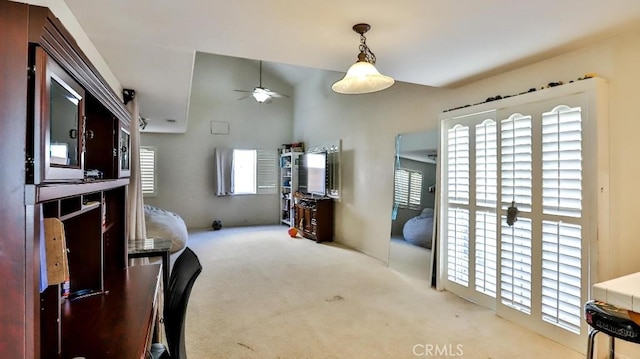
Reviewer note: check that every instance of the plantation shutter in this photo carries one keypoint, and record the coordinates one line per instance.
(552, 171)
(486, 164)
(408, 188)
(401, 190)
(516, 187)
(561, 256)
(458, 193)
(561, 241)
(486, 253)
(486, 248)
(515, 269)
(562, 161)
(415, 189)
(148, 169)
(266, 171)
(458, 245)
(458, 164)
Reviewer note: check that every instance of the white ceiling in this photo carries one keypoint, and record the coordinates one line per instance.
(150, 44)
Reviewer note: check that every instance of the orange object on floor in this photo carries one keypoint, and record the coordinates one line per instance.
(293, 232)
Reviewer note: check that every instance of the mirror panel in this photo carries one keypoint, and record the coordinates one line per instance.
(413, 217)
(64, 144)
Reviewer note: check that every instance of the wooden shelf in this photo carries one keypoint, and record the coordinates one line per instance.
(83, 209)
(48, 192)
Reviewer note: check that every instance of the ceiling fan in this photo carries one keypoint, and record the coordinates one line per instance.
(261, 94)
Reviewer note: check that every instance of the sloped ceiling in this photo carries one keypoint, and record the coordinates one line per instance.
(150, 45)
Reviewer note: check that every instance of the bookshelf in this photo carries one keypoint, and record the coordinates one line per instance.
(289, 167)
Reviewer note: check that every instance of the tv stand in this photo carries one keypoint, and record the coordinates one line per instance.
(314, 218)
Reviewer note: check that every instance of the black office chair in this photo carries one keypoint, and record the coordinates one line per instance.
(184, 273)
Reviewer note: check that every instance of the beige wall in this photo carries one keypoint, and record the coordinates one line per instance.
(367, 126)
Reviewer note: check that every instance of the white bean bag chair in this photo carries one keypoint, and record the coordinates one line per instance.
(419, 229)
(161, 223)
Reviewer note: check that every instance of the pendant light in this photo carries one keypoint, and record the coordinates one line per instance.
(363, 77)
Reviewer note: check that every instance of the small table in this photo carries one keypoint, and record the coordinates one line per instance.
(153, 247)
(614, 311)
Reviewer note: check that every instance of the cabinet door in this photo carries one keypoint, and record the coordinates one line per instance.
(60, 101)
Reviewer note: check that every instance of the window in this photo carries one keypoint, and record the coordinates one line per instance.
(244, 171)
(408, 188)
(254, 171)
(148, 170)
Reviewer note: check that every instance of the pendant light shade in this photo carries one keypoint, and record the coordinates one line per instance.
(363, 77)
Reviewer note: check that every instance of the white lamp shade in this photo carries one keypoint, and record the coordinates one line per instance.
(362, 77)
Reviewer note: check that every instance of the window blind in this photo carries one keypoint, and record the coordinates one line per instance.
(486, 253)
(515, 271)
(486, 164)
(408, 188)
(458, 245)
(266, 171)
(148, 169)
(561, 278)
(458, 164)
(516, 149)
(562, 161)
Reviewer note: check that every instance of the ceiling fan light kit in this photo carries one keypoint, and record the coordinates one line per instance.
(363, 77)
(261, 95)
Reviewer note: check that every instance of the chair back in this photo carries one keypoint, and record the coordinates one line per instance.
(185, 271)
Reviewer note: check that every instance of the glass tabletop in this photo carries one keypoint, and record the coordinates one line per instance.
(151, 245)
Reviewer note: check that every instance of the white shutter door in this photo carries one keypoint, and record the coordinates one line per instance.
(562, 161)
(515, 265)
(486, 234)
(555, 180)
(562, 196)
(458, 246)
(561, 275)
(516, 157)
(458, 164)
(516, 149)
(458, 193)
(486, 253)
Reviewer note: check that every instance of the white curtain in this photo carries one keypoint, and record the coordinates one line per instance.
(137, 227)
(224, 169)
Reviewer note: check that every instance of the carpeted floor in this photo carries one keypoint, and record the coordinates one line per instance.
(265, 295)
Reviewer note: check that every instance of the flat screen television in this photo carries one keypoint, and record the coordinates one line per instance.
(315, 167)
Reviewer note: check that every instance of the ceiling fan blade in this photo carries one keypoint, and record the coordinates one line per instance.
(242, 91)
(243, 97)
(276, 94)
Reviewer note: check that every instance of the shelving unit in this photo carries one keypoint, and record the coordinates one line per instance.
(74, 168)
(289, 165)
